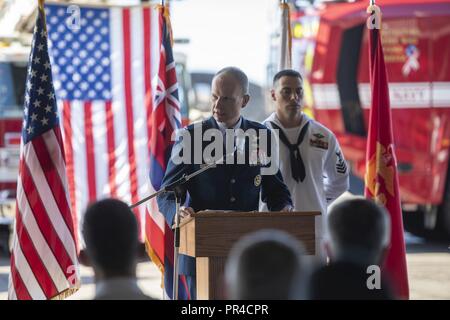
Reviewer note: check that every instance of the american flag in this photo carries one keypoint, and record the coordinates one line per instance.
(44, 257)
(165, 119)
(104, 66)
(117, 94)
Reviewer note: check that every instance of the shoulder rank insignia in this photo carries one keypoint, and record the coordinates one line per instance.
(341, 165)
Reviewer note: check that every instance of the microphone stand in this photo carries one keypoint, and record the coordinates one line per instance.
(177, 189)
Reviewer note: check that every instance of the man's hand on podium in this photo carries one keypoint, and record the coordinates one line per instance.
(288, 208)
(185, 212)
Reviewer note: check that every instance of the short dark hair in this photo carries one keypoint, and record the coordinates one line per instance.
(111, 235)
(359, 225)
(265, 265)
(238, 74)
(286, 73)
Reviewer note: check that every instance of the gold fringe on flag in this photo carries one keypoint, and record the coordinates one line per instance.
(66, 293)
(155, 259)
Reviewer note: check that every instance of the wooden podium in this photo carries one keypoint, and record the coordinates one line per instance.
(209, 235)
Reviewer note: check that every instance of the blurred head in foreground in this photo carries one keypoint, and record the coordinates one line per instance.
(267, 264)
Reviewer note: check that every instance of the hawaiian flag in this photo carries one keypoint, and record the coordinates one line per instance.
(165, 120)
(381, 178)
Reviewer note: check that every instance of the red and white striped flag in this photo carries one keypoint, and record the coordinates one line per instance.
(105, 59)
(44, 261)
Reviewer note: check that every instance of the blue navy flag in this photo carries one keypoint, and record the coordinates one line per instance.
(44, 257)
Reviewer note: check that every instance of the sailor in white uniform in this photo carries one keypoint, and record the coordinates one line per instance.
(310, 159)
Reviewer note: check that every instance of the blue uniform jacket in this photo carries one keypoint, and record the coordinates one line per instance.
(224, 187)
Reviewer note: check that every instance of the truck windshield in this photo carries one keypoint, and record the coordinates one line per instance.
(12, 89)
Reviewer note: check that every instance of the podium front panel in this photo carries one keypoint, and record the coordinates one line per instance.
(212, 234)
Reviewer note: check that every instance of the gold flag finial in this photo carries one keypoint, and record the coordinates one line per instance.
(374, 20)
(42, 11)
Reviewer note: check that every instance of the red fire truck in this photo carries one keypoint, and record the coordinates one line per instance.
(13, 64)
(330, 48)
(13, 60)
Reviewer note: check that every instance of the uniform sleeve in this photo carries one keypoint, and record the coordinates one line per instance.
(166, 201)
(274, 191)
(336, 180)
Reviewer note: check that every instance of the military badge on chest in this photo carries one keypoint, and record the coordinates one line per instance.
(258, 180)
(318, 141)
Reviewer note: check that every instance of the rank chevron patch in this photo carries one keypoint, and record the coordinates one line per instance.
(341, 165)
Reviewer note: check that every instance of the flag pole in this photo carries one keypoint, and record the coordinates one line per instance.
(285, 36)
(41, 10)
(176, 209)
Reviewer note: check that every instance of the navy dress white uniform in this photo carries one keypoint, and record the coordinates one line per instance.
(326, 175)
(224, 187)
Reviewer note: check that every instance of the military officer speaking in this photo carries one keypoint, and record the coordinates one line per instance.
(231, 185)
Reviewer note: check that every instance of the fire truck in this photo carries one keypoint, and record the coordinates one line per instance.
(13, 64)
(330, 48)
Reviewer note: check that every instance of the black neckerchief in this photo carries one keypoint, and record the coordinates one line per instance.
(297, 166)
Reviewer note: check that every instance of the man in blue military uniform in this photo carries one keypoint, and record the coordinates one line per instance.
(227, 186)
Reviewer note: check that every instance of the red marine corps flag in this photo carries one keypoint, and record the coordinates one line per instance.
(381, 178)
